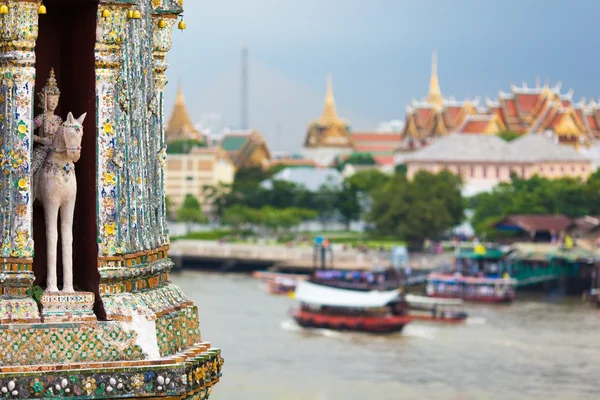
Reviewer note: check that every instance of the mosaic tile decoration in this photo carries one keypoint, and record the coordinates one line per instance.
(18, 309)
(177, 331)
(187, 376)
(64, 343)
(150, 303)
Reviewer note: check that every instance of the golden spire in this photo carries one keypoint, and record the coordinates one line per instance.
(435, 94)
(329, 115)
(180, 125)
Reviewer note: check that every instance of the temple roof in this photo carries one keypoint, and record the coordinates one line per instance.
(330, 116)
(180, 125)
(435, 93)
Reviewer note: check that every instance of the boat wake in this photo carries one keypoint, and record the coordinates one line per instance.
(292, 326)
(419, 331)
(476, 321)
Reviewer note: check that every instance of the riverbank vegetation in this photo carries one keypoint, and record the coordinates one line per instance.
(394, 208)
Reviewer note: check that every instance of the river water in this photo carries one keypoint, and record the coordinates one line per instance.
(536, 348)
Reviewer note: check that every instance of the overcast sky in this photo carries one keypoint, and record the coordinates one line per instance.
(379, 52)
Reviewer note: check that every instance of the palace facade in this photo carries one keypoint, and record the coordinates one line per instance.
(483, 161)
(523, 110)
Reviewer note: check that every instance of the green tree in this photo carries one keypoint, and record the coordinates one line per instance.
(190, 211)
(401, 169)
(348, 203)
(355, 159)
(509, 136)
(535, 195)
(425, 207)
(369, 180)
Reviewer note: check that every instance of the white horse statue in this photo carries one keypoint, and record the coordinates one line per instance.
(57, 190)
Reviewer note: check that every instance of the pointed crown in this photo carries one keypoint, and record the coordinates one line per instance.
(329, 115)
(435, 93)
(51, 88)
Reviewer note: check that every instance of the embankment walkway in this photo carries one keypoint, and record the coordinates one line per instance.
(201, 254)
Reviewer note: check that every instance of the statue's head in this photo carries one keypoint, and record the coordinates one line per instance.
(50, 94)
(72, 130)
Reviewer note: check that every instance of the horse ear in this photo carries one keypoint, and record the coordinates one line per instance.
(82, 118)
(70, 118)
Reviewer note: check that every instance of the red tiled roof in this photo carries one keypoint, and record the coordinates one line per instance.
(424, 114)
(376, 137)
(375, 147)
(566, 103)
(453, 111)
(592, 122)
(384, 160)
(541, 222)
(527, 101)
(477, 126)
(511, 107)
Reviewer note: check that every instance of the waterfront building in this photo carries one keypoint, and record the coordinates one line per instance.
(535, 227)
(246, 149)
(523, 110)
(192, 172)
(119, 328)
(483, 161)
(180, 126)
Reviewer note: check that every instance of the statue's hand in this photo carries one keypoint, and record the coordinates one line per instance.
(36, 138)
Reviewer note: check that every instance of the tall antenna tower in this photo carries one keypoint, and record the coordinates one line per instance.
(244, 89)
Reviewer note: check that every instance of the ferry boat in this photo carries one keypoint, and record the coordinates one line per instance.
(350, 310)
(477, 289)
(436, 310)
(478, 274)
(358, 280)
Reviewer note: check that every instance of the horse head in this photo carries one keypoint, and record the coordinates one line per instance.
(72, 133)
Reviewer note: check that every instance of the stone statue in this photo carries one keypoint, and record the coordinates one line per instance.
(47, 124)
(57, 190)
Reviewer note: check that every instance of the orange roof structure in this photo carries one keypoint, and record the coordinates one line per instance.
(523, 110)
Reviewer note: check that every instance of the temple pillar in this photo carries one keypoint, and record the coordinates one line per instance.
(161, 44)
(17, 80)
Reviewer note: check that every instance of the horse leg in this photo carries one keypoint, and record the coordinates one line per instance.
(66, 229)
(51, 217)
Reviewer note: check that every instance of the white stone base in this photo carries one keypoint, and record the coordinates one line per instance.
(68, 307)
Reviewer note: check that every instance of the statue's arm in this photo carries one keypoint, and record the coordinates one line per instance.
(38, 121)
(42, 140)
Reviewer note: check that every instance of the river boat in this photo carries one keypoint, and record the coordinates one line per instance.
(358, 280)
(436, 310)
(476, 289)
(350, 310)
(281, 285)
(479, 274)
(269, 275)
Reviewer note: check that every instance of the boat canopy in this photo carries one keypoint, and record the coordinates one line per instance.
(312, 293)
(412, 299)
